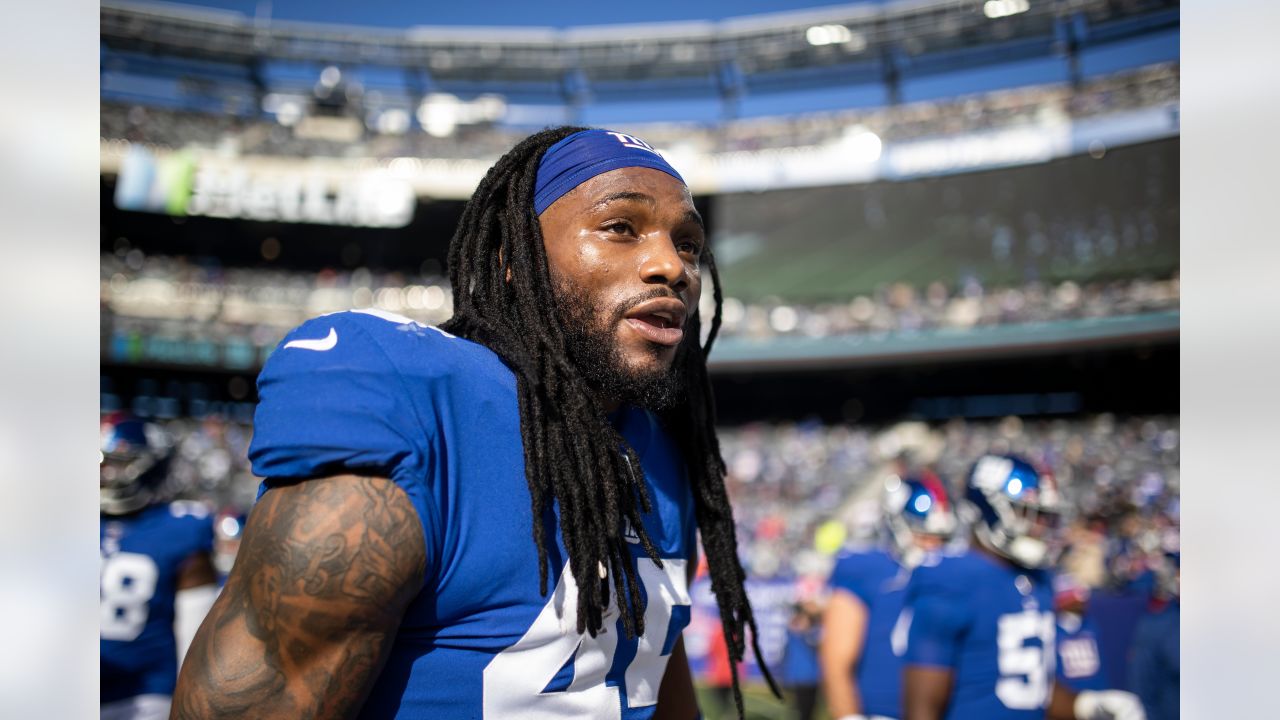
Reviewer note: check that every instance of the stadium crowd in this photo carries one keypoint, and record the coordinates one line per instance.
(177, 300)
(1151, 86)
(1120, 476)
(801, 490)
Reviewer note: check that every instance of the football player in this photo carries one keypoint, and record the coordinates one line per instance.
(861, 673)
(157, 580)
(494, 518)
(980, 624)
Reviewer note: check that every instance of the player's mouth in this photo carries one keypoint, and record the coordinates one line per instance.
(659, 321)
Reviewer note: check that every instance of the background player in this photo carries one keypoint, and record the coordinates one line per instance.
(981, 625)
(157, 580)
(860, 670)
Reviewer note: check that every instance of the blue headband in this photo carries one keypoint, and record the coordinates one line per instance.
(584, 155)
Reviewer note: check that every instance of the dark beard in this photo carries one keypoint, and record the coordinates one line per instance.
(589, 338)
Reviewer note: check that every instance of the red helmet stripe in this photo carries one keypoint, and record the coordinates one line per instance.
(935, 488)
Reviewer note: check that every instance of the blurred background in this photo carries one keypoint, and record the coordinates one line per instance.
(943, 228)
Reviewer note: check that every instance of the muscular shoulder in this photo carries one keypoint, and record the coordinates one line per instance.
(356, 391)
(193, 520)
(370, 340)
(945, 573)
(175, 517)
(189, 512)
(862, 561)
(860, 570)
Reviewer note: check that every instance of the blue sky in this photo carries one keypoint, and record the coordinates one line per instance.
(561, 13)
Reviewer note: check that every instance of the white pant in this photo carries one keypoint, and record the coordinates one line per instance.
(138, 707)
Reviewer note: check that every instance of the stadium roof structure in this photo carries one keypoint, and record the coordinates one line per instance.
(853, 43)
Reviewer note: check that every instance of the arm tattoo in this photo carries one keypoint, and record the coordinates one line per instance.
(305, 623)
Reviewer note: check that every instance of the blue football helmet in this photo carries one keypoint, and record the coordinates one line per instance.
(913, 507)
(1014, 510)
(133, 462)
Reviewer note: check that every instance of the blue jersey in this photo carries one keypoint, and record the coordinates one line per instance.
(1155, 672)
(876, 579)
(800, 657)
(990, 623)
(371, 392)
(1079, 662)
(141, 558)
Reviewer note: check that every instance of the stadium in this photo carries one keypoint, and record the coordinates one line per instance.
(944, 229)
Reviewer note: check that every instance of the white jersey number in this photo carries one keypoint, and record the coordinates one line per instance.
(1025, 670)
(128, 582)
(516, 680)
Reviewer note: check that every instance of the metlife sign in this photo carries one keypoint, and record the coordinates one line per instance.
(178, 184)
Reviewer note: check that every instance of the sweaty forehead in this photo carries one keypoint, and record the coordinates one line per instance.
(645, 186)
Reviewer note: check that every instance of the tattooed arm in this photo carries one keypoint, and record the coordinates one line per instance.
(305, 623)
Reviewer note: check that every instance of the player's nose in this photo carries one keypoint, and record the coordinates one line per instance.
(662, 264)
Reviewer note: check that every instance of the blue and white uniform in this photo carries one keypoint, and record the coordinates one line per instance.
(879, 582)
(992, 624)
(375, 393)
(142, 555)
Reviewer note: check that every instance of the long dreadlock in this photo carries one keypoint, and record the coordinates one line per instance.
(504, 298)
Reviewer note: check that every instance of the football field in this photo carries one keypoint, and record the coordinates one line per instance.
(760, 705)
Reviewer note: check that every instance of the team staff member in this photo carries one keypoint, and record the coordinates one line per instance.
(495, 518)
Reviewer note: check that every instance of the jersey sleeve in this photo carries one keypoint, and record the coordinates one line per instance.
(331, 401)
(192, 524)
(202, 533)
(938, 614)
(850, 574)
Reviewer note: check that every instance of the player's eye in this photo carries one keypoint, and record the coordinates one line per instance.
(619, 227)
(688, 246)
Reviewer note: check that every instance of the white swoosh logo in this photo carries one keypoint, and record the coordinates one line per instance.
(325, 343)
